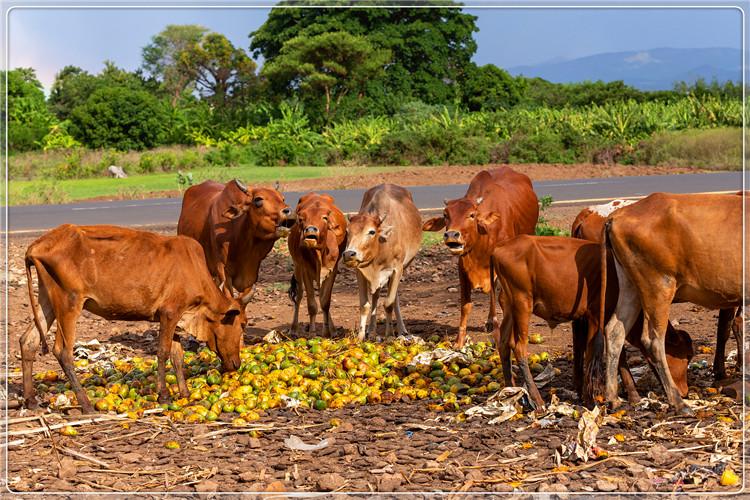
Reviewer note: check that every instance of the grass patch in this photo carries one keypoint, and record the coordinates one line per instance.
(718, 148)
(139, 186)
(432, 238)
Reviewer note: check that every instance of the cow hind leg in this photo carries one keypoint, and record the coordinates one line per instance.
(625, 315)
(506, 343)
(30, 342)
(627, 379)
(723, 328)
(521, 318)
(177, 355)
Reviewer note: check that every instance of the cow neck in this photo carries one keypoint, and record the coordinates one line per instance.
(250, 253)
(476, 262)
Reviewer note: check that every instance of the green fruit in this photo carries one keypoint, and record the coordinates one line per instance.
(320, 404)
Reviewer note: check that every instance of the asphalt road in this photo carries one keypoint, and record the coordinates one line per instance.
(165, 211)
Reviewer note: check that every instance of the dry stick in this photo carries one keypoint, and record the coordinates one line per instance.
(643, 452)
(18, 420)
(128, 472)
(83, 456)
(489, 466)
(539, 477)
(117, 438)
(103, 418)
(48, 433)
(96, 485)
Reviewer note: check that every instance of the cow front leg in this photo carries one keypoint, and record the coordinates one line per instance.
(504, 346)
(465, 291)
(63, 351)
(325, 304)
(627, 380)
(177, 355)
(521, 318)
(373, 321)
(364, 304)
(312, 305)
(296, 292)
(390, 300)
(167, 323)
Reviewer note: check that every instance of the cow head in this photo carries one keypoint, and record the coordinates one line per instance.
(366, 232)
(225, 335)
(314, 219)
(463, 223)
(269, 215)
(236, 198)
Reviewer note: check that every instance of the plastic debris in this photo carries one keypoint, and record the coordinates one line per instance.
(295, 443)
(583, 447)
(440, 354)
(272, 337)
(503, 405)
(545, 377)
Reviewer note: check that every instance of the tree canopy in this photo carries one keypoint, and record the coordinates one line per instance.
(431, 49)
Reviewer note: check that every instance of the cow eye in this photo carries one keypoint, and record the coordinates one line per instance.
(471, 216)
(258, 201)
(325, 218)
(371, 232)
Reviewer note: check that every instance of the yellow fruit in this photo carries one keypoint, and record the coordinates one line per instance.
(172, 445)
(729, 478)
(68, 431)
(535, 338)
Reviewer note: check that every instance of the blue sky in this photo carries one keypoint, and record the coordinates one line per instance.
(48, 39)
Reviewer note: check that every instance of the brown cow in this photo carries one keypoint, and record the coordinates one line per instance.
(237, 227)
(558, 279)
(588, 225)
(123, 274)
(316, 243)
(670, 248)
(499, 204)
(383, 238)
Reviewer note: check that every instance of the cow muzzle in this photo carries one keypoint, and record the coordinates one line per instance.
(288, 219)
(310, 236)
(454, 242)
(351, 258)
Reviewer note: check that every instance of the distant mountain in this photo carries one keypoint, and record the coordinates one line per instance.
(653, 69)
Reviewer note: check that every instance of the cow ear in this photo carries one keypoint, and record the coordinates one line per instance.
(385, 233)
(434, 224)
(484, 221)
(233, 212)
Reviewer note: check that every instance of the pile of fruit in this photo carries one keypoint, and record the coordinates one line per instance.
(306, 373)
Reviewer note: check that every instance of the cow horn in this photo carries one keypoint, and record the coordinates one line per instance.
(383, 217)
(445, 201)
(240, 185)
(479, 200)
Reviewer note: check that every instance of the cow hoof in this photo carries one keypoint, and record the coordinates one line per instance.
(489, 327)
(686, 411)
(87, 409)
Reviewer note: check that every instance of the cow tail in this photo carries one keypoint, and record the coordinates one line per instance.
(603, 263)
(35, 303)
(293, 289)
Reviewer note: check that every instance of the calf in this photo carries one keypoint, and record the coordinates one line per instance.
(123, 274)
(383, 238)
(237, 227)
(670, 248)
(499, 204)
(558, 279)
(316, 243)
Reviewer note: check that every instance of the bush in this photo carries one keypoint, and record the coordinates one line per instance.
(719, 149)
(119, 118)
(542, 147)
(73, 167)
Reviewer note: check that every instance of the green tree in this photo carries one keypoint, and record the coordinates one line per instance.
(489, 88)
(120, 118)
(29, 118)
(327, 66)
(163, 60)
(221, 71)
(431, 48)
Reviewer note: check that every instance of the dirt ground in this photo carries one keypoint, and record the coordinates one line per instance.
(396, 447)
